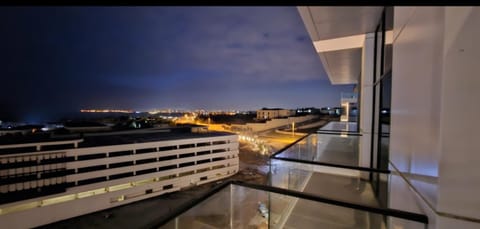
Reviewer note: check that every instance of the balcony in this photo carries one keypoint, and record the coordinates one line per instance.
(339, 127)
(241, 205)
(350, 97)
(316, 182)
(336, 149)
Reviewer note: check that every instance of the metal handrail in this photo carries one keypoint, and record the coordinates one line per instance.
(275, 156)
(421, 218)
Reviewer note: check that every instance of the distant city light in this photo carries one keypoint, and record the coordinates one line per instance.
(105, 111)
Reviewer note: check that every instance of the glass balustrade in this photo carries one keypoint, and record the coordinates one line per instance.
(240, 205)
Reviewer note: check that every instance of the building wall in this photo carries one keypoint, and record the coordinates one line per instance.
(207, 159)
(434, 112)
(269, 114)
(285, 113)
(459, 169)
(270, 124)
(416, 81)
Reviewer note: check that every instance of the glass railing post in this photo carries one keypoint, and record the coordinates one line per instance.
(269, 219)
(231, 206)
(269, 181)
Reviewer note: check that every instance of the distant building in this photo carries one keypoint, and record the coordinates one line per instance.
(269, 113)
(349, 102)
(307, 111)
(331, 110)
(85, 126)
(73, 175)
(20, 130)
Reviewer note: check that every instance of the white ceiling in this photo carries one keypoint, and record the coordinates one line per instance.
(345, 65)
(329, 23)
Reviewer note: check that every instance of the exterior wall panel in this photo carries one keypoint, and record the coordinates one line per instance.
(219, 156)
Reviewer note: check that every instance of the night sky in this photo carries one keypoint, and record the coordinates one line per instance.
(57, 60)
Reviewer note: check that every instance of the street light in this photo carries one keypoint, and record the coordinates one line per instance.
(293, 129)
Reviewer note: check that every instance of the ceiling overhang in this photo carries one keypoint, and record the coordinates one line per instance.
(338, 35)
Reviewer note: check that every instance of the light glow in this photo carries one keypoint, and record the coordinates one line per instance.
(105, 111)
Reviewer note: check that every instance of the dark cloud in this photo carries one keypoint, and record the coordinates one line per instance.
(62, 59)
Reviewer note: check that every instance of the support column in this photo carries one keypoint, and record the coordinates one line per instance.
(366, 100)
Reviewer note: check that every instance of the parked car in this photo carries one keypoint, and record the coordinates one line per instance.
(263, 210)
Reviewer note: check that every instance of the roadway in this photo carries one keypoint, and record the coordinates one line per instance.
(269, 139)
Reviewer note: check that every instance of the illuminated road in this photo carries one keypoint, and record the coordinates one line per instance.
(270, 138)
(265, 142)
(271, 135)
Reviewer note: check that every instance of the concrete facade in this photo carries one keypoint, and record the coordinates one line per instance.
(274, 113)
(95, 181)
(270, 124)
(435, 58)
(432, 135)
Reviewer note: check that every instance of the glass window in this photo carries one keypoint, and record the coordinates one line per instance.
(382, 92)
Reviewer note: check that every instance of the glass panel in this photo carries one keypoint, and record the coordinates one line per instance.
(384, 119)
(388, 57)
(339, 127)
(302, 213)
(348, 185)
(388, 33)
(250, 208)
(330, 182)
(241, 207)
(379, 159)
(376, 127)
(382, 92)
(214, 212)
(349, 104)
(378, 52)
(341, 149)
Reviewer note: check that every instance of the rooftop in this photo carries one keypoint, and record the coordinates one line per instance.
(34, 138)
(83, 124)
(93, 140)
(272, 109)
(101, 139)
